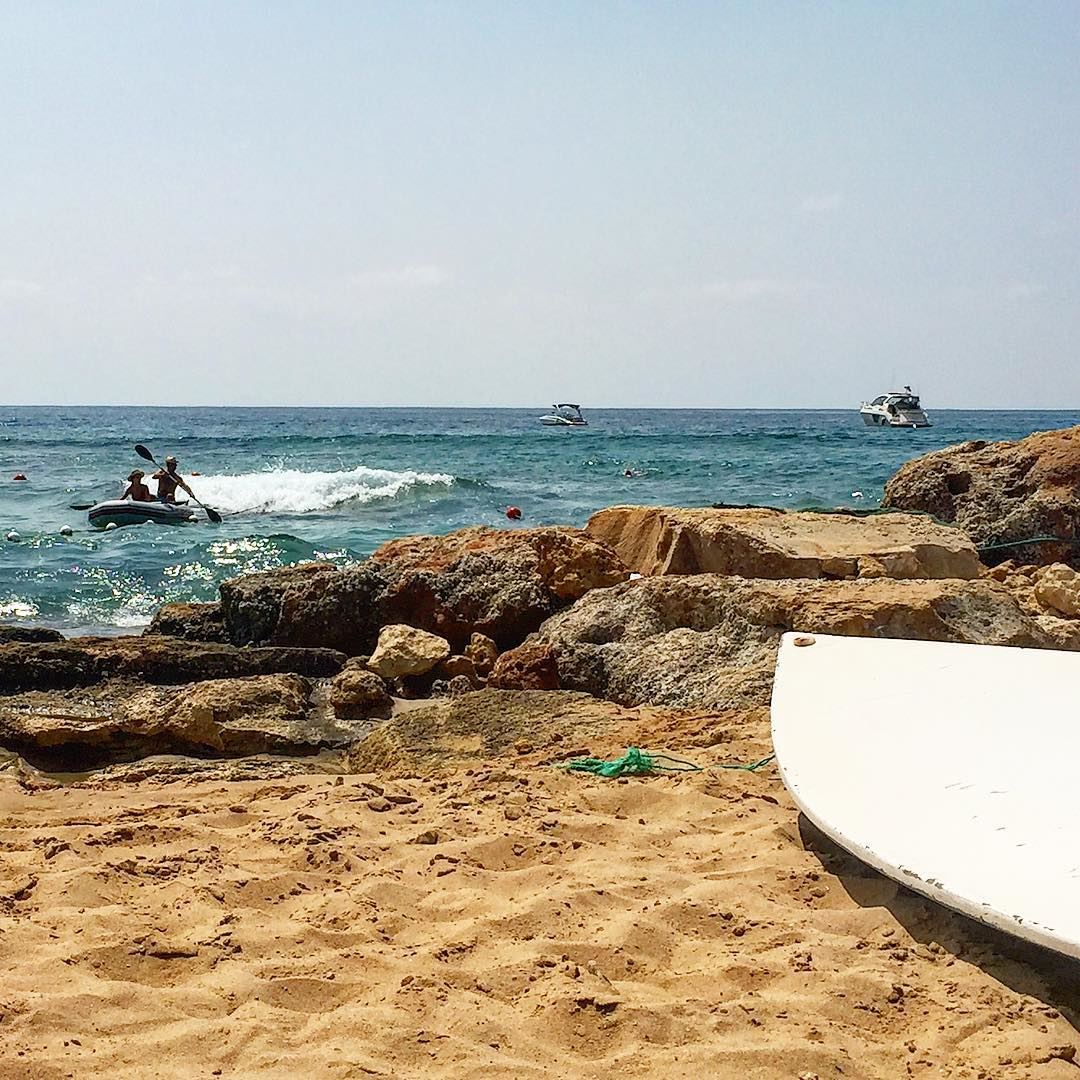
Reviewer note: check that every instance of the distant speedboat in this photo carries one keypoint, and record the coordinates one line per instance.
(565, 415)
(897, 408)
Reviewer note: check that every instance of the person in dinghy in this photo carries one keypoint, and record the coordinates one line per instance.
(168, 480)
(136, 490)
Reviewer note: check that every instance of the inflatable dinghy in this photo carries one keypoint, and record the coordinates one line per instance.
(947, 767)
(129, 512)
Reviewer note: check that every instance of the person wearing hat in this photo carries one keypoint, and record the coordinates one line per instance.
(136, 489)
(168, 480)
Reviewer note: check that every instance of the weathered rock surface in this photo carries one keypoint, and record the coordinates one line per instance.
(500, 583)
(763, 543)
(1057, 588)
(710, 641)
(28, 633)
(217, 718)
(454, 667)
(531, 666)
(1001, 492)
(357, 694)
(153, 658)
(404, 650)
(483, 724)
(193, 622)
(483, 652)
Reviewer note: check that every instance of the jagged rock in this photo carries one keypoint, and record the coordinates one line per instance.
(216, 718)
(460, 684)
(483, 652)
(193, 622)
(500, 583)
(706, 641)
(28, 634)
(154, 658)
(757, 542)
(357, 693)
(404, 650)
(310, 605)
(1001, 493)
(1057, 588)
(532, 666)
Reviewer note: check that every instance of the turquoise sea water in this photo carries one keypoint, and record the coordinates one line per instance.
(295, 484)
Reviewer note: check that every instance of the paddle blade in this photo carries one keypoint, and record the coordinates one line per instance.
(213, 515)
(82, 506)
(143, 452)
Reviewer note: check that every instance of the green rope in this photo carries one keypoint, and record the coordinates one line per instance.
(636, 762)
(1030, 540)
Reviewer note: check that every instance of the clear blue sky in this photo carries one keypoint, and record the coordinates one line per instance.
(688, 204)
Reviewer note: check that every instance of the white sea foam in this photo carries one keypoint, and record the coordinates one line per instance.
(290, 491)
(18, 609)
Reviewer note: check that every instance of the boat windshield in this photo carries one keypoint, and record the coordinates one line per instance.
(878, 400)
(910, 402)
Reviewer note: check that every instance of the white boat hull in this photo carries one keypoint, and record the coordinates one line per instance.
(129, 512)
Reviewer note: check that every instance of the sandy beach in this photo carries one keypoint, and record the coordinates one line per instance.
(499, 917)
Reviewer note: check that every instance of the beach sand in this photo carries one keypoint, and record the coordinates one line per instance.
(502, 919)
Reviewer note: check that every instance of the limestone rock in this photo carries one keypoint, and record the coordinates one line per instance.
(707, 641)
(483, 652)
(532, 666)
(357, 693)
(1001, 492)
(153, 658)
(194, 622)
(757, 542)
(1058, 589)
(500, 583)
(458, 666)
(404, 650)
(216, 718)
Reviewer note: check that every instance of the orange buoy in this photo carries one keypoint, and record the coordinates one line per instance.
(513, 513)
(18, 476)
(193, 473)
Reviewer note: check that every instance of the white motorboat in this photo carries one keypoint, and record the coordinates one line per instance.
(897, 408)
(565, 415)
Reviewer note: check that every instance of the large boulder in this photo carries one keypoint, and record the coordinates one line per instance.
(404, 650)
(756, 542)
(1001, 494)
(501, 583)
(496, 582)
(153, 658)
(193, 622)
(707, 641)
(266, 714)
(309, 605)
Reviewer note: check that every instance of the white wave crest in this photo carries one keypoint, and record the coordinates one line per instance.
(18, 609)
(290, 491)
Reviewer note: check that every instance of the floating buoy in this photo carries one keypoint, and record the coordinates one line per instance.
(194, 473)
(110, 526)
(14, 537)
(19, 476)
(856, 494)
(513, 513)
(66, 530)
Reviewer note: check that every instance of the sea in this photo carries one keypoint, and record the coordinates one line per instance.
(334, 483)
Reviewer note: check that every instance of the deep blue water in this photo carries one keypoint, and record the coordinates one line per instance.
(300, 483)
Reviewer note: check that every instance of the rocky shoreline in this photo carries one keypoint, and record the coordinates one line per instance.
(435, 682)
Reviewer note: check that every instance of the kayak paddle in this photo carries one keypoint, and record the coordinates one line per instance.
(145, 454)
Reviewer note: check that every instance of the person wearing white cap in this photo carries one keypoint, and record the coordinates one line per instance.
(168, 480)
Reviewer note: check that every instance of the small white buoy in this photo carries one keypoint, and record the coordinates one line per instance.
(14, 537)
(856, 494)
(110, 526)
(66, 530)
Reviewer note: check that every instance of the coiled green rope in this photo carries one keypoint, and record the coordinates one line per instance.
(637, 762)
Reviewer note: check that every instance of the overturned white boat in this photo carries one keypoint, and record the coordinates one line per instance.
(130, 512)
(897, 408)
(565, 415)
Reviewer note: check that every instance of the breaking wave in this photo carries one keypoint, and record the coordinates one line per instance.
(291, 491)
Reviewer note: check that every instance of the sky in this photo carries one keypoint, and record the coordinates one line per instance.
(512, 203)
